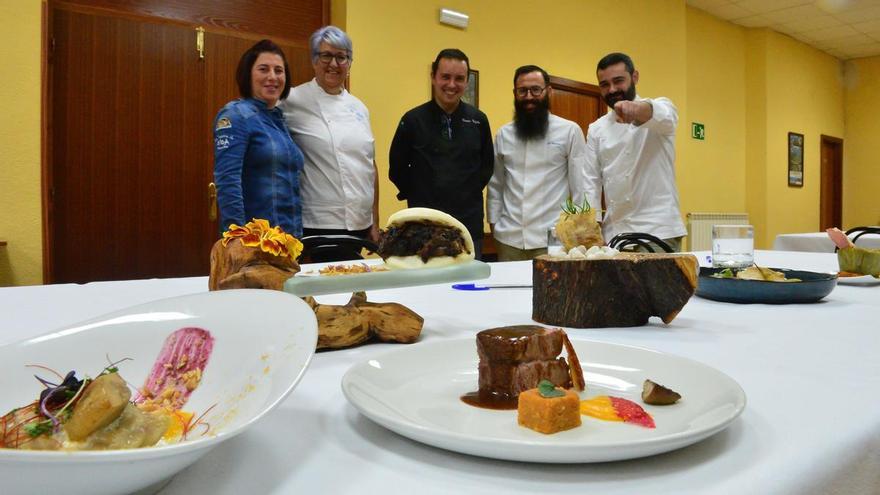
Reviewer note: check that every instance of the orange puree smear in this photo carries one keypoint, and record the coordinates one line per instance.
(178, 421)
(600, 407)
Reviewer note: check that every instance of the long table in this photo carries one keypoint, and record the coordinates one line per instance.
(811, 374)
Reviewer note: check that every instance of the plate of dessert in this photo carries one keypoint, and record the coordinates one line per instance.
(122, 402)
(758, 284)
(849, 278)
(858, 265)
(512, 395)
(420, 246)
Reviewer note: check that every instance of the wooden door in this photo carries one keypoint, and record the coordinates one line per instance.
(831, 188)
(576, 101)
(579, 102)
(129, 198)
(130, 154)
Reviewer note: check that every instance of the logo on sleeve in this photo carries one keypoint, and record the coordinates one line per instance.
(223, 142)
(223, 123)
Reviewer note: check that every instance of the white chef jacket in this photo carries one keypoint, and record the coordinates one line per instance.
(636, 167)
(531, 181)
(333, 132)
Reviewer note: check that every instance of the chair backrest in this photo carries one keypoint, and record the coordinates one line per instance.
(314, 246)
(627, 239)
(860, 231)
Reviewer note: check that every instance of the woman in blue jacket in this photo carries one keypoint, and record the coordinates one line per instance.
(256, 163)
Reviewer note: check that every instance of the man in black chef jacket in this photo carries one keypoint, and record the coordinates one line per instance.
(441, 155)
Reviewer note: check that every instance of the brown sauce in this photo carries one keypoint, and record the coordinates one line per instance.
(501, 402)
(514, 332)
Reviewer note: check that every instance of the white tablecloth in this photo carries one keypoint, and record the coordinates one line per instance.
(811, 373)
(818, 242)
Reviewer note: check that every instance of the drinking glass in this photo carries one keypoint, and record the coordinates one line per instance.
(733, 246)
(554, 245)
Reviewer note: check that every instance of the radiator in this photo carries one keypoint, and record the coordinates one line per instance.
(699, 226)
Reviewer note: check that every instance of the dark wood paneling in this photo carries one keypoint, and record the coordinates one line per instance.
(831, 180)
(293, 20)
(579, 102)
(576, 101)
(128, 102)
(46, 142)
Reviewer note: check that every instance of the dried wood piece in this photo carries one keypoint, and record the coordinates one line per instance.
(620, 292)
(235, 266)
(358, 321)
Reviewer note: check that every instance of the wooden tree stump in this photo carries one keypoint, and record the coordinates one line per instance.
(620, 292)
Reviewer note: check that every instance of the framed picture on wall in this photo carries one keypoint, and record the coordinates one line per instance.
(472, 92)
(795, 159)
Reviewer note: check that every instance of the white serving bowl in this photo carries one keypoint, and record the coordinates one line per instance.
(263, 342)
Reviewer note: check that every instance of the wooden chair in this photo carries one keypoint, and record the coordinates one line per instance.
(328, 247)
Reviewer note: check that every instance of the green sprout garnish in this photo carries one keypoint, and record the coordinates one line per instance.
(726, 273)
(570, 208)
(548, 390)
(37, 428)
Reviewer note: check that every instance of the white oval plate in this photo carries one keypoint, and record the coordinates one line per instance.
(861, 280)
(415, 391)
(263, 342)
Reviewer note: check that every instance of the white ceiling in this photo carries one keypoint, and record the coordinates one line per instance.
(844, 28)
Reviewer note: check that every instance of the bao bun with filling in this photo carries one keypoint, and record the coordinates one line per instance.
(449, 241)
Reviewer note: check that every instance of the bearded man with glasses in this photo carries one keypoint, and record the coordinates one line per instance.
(539, 163)
(340, 187)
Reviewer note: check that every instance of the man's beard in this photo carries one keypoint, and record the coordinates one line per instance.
(533, 123)
(628, 95)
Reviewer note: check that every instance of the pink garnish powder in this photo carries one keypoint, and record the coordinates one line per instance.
(631, 412)
(178, 369)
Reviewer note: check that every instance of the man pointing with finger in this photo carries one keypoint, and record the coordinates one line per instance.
(631, 157)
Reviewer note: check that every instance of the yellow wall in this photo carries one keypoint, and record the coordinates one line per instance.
(751, 87)
(861, 160)
(804, 95)
(756, 132)
(20, 209)
(395, 42)
(711, 175)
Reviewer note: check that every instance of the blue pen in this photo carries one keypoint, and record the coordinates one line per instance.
(490, 286)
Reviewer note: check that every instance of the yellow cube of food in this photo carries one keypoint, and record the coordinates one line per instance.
(548, 414)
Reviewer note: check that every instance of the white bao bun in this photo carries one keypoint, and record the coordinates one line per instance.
(436, 216)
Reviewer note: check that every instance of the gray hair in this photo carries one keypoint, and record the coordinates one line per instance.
(334, 37)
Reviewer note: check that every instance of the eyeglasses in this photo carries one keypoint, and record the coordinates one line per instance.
(534, 90)
(327, 57)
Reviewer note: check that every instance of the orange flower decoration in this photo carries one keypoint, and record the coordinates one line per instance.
(258, 233)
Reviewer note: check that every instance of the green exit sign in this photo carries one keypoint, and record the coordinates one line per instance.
(698, 131)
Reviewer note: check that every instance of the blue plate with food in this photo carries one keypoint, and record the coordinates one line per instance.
(764, 285)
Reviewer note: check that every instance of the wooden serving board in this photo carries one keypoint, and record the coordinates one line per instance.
(623, 291)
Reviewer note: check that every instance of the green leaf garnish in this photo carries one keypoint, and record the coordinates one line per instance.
(548, 390)
(726, 273)
(37, 428)
(570, 208)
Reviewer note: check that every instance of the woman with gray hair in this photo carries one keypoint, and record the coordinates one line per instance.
(339, 184)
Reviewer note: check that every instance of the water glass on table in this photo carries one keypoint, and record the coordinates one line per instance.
(554, 245)
(733, 246)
